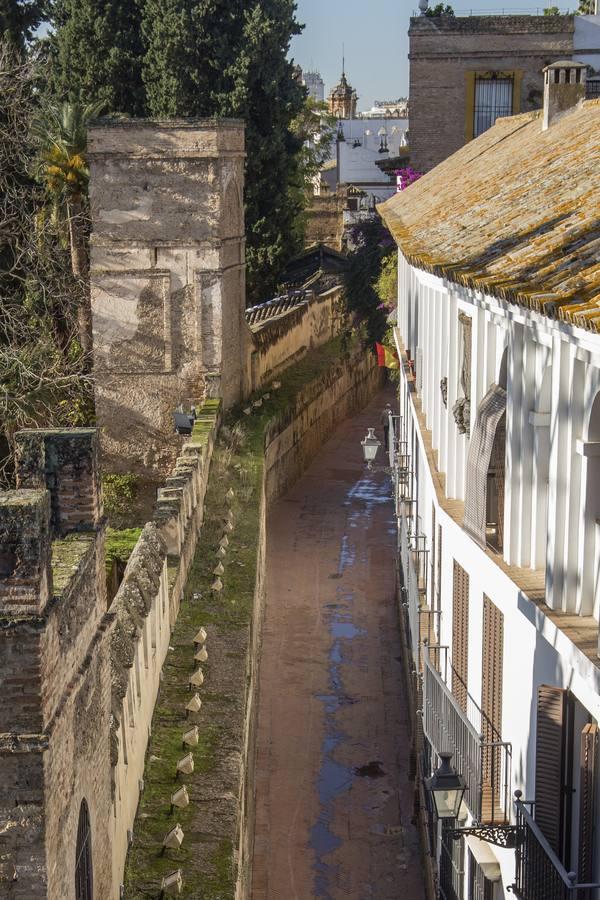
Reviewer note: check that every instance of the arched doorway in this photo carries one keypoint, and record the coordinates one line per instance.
(84, 880)
(484, 497)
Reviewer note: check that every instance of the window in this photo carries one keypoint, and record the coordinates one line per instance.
(493, 99)
(490, 95)
(452, 865)
(84, 882)
(460, 635)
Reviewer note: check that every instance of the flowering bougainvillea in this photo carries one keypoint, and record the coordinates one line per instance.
(405, 177)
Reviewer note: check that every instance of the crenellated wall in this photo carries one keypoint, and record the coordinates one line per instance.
(283, 339)
(142, 616)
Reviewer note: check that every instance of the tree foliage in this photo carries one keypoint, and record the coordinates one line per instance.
(97, 53)
(42, 380)
(168, 58)
(367, 276)
(439, 10)
(18, 21)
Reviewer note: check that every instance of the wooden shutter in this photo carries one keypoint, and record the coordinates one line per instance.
(587, 792)
(491, 675)
(550, 762)
(439, 569)
(491, 706)
(433, 569)
(460, 635)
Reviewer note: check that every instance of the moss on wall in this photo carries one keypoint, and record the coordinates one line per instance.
(211, 821)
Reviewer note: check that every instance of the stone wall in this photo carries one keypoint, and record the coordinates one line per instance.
(55, 704)
(324, 221)
(142, 616)
(167, 280)
(284, 339)
(444, 50)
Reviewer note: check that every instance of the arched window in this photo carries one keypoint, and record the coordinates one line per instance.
(484, 499)
(84, 881)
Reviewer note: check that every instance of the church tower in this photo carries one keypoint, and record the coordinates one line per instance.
(342, 99)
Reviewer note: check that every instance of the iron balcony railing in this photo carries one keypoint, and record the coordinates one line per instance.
(485, 764)
(539, 874)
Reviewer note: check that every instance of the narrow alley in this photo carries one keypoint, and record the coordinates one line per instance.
(334, 799)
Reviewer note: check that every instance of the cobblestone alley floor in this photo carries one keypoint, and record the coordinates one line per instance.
(334, 802)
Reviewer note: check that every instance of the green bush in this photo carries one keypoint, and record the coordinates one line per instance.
(119, 493)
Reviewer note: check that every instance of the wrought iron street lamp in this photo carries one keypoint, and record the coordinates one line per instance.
(447, 788)
(370, 445)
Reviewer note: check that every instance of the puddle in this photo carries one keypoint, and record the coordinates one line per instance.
(335, 779)
(345, 630)
(372, 769)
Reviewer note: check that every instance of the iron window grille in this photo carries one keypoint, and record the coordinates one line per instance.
(493, 99)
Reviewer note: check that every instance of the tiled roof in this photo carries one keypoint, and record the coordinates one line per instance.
(514, 213)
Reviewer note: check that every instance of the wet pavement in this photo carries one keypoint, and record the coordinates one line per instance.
(334, 802)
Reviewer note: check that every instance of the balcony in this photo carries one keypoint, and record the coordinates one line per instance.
(422, 620)
(485, 764)
(539, 873)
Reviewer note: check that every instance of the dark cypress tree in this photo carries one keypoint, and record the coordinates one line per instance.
(19, 19)
(210, 57)
(201, 58)
(97, 53)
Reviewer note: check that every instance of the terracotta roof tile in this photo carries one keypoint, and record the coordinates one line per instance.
(515, 213)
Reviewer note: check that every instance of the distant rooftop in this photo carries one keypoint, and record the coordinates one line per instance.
(501, 22)
(514, 213)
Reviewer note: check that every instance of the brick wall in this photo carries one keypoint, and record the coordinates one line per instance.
(443, 50)
(56, 681)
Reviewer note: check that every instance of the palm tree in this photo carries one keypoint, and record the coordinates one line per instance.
(61, 132)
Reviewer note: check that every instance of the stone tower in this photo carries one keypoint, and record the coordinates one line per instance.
(342, 100)
(167, 279)
(55, 795)
(315, 86)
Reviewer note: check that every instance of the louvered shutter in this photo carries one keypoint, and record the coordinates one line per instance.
(460, 635)
(439, 569)
(587, 791)
(550, 762)
(491, 698)
(433, 569)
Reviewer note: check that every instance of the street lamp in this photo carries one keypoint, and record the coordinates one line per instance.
(447, 788)
(370, 445)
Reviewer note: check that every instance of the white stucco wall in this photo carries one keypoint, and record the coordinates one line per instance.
(553, 375)
(586, 40)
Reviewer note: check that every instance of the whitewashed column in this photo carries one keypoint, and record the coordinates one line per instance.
(559, 476)
(574, 485)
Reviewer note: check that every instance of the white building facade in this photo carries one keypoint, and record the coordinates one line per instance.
(499, 520)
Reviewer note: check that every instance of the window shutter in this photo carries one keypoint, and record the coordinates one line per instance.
(433, 569)
(439, 569)
(491, 703)
(587, 791)
(460, 635)
(491, 676)
(550, 762)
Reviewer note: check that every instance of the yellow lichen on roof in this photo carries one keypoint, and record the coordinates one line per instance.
(514, 213)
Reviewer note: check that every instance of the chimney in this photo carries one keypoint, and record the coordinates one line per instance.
(564, 88)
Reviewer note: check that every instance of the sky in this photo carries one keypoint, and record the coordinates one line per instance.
(374, 33)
